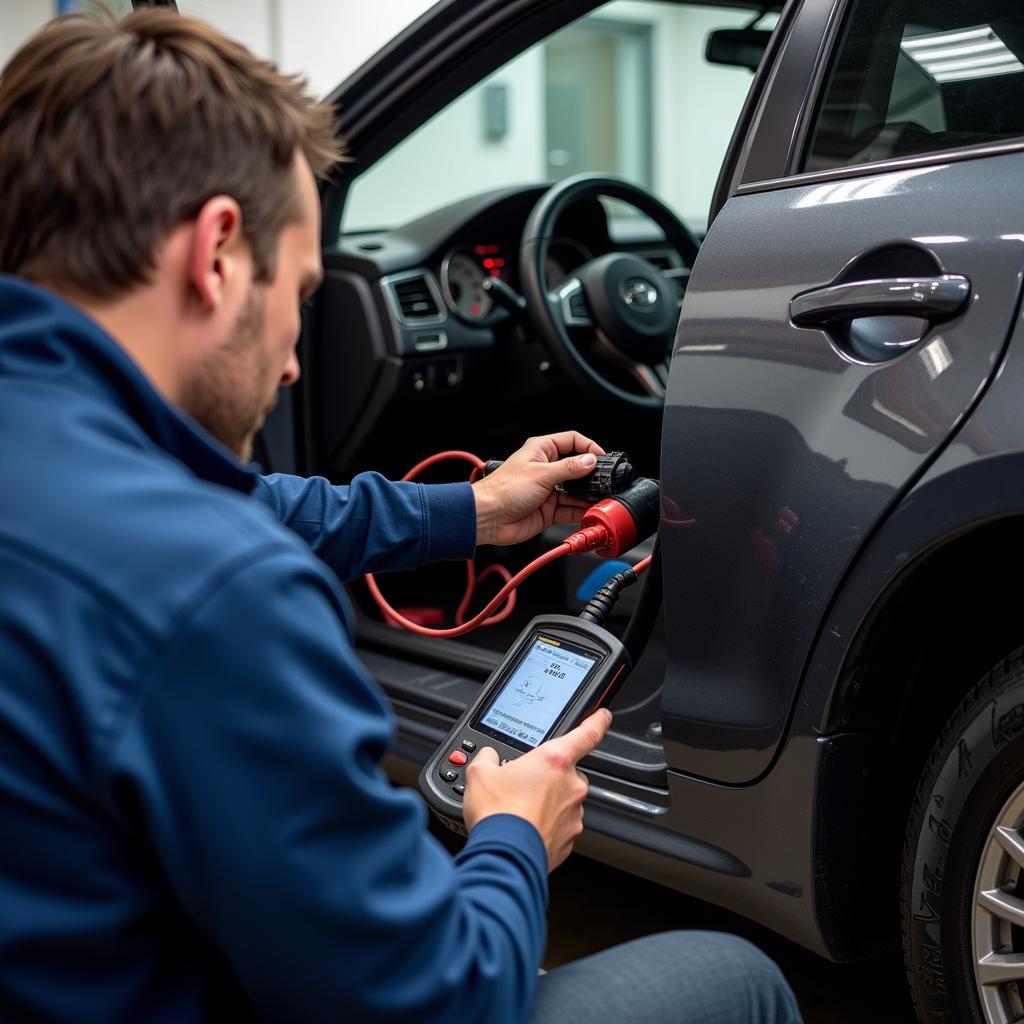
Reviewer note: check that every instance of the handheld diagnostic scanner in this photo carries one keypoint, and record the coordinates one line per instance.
(559, 670)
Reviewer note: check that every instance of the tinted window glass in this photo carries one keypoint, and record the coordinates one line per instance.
(920, 75)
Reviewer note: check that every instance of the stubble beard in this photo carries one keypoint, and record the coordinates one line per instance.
(226, 394)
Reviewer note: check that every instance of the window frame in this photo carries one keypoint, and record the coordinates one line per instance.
(814, 98)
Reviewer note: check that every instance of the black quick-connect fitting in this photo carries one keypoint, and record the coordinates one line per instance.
(642, 500)
(613, 473)
(600, 606)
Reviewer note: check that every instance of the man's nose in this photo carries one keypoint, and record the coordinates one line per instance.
(292, 371)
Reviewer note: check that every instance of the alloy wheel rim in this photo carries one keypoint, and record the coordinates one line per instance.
(998, 932)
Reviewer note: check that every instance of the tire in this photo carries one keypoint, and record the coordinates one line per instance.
(972, 783)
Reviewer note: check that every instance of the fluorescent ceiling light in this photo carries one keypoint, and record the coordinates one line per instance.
(993, 61)
(960, 76)
(967, 53)
(966, 36)
(939, 53)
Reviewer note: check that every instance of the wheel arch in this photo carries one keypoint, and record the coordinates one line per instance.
(953, 547)
(958, 604)
(933, 602)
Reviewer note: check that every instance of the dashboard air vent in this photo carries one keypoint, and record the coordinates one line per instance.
(415, 299)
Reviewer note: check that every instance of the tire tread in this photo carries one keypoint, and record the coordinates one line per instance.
(1010, 665)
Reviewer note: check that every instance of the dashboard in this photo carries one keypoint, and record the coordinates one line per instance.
(406, 333)
(433, 271)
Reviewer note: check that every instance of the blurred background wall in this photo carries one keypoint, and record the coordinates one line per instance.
(324, 39)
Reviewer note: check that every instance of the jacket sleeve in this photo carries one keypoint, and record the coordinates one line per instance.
(253, 755)
(373, 524)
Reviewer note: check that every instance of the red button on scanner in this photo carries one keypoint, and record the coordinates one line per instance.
(457, 757)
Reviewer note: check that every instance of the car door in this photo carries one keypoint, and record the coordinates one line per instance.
(847, 310)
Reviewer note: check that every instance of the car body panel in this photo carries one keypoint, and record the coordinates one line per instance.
(977, 482)
(756, 850)
(799, 849)
(780, 453)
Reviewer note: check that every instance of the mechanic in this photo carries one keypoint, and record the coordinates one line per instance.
(195, 823)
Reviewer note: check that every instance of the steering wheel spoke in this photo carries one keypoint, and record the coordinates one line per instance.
(569, 299)
(681, 274)
(651, 377)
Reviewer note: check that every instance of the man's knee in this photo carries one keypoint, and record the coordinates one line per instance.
(697, 977)
(729, 949)
(730, 967)
(736, 962)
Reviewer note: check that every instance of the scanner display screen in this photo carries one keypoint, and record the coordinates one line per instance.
(540, 688)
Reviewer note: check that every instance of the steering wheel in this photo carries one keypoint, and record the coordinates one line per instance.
(630, 305)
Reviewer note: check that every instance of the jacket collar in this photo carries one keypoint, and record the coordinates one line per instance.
(43, 336)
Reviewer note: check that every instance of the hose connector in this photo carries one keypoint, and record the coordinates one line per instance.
(599, 607)
(627, 518)
(589, 538)
(611, 474)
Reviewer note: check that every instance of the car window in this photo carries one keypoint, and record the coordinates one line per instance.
(922, 75)
(625, 90)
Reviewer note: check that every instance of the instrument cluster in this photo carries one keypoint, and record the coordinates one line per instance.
(466, 268)
(463, 274)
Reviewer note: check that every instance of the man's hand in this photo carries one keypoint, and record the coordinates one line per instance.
(542, 786)
(518, 499)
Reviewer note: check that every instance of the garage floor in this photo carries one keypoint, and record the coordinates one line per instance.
(593, 907)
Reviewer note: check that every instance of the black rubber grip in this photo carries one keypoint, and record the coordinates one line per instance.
(643, 500)
(599, 607)
(613, 473)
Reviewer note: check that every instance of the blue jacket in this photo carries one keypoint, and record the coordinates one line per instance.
(194, 824)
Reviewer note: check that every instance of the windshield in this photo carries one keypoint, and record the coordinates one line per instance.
(625, 90)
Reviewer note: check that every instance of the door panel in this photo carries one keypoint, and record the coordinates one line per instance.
(784, 446)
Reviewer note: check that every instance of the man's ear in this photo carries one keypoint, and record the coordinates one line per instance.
(215, 250)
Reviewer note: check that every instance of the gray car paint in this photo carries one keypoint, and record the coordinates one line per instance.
(780, 453)
(798, 849)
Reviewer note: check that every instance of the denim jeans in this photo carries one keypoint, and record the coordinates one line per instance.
(671, 978)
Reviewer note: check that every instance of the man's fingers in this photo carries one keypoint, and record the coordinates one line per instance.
(572, 468)
(568, 501)
(565, 443)
(486, 755)
(586, 736)
(565, 513)
(576, 465)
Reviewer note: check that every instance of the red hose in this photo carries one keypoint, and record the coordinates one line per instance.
(478, 619)
(586, 539)
(433, 460)
(473, 578)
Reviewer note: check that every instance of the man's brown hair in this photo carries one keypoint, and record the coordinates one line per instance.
(112, 133)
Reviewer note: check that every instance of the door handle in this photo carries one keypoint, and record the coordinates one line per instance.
(930, 298)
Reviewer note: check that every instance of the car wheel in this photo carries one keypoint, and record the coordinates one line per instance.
(963, 863)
